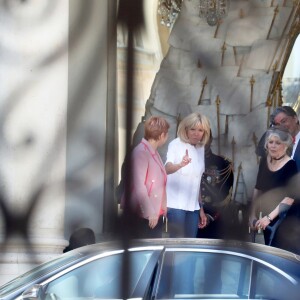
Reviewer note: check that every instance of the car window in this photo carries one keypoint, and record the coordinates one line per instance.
(271, 285)
(211, 275)
(200, 275)
(100, 278)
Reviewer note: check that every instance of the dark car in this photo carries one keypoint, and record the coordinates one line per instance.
(163, 269)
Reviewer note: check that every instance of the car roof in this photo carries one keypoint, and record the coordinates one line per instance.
(275, 257)
(217, 244)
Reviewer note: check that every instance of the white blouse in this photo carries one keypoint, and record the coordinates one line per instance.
(183, 186)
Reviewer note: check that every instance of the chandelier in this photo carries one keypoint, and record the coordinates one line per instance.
(211, 10)
(169, 10)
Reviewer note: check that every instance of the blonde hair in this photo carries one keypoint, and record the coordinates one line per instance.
(193, 120)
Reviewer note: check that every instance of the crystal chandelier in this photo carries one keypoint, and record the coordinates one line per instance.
(169, 10)
(211, 10)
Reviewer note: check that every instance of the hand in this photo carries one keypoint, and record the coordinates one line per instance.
(186, 159)
(153, 220)
(203, 219)
(262, 223)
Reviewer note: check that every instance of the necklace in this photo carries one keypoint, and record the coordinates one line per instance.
(279, 158)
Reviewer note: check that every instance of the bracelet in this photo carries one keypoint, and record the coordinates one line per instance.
(269, 218)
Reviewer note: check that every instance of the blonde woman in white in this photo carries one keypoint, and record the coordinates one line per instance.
(185, 166)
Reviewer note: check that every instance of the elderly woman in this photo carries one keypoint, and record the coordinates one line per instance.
(147, 193)
(271, 195)
(185, 166)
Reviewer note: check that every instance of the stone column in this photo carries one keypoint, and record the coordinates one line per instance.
(91, 119)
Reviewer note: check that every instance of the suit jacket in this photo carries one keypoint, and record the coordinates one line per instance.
(148, 185)
(296, 156)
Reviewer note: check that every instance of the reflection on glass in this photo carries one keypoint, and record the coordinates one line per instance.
(101, 278)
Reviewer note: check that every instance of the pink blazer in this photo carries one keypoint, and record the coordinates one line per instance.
(149, 178)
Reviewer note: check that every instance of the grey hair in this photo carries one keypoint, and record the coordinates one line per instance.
(280, 132)
(287, 110)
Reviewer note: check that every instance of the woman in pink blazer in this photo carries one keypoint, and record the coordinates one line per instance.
(147, 193)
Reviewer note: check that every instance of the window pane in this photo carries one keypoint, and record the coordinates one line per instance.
(272, 285)
(199, 275)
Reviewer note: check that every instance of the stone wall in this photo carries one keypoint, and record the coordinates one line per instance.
(226, 72)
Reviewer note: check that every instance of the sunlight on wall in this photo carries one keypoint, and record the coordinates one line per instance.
(291, 76)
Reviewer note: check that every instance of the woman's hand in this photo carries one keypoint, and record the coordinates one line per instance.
(153, 220)
(172, 168)
(262, 223)
(186, 159)
(203, 219)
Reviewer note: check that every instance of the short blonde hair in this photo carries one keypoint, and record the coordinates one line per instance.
(193, 120)
(154, 127)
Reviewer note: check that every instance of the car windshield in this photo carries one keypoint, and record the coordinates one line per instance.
(73, 276)
(37, 272)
